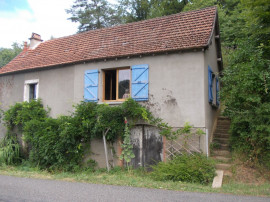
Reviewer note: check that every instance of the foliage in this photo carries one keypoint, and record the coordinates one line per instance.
(127, 152)
(93, 14)
(199, 4)
(9, 149)
(185, 168)
(246, 85)
(20, 113)
(247, 100)
(7, 54)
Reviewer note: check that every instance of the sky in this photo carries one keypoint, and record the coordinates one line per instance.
(48, 18)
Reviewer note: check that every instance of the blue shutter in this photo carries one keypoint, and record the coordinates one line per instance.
(210, 91)
(91, 85)
(217, 91)
(139, 86)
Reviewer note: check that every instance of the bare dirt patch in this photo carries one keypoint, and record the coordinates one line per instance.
(244, 172)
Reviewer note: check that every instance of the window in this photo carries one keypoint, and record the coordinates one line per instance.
(116, 84)
(31, 90)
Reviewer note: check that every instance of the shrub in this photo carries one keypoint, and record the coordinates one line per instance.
(9, 149)
(185, 168)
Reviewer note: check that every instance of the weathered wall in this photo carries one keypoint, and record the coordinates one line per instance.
(211, 112)
(176, 85)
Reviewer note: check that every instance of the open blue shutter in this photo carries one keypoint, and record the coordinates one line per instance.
(91, 85)
(217, 91)
(139, 86)
(210, 91)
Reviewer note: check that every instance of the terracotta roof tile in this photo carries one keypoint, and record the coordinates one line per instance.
(170, 33)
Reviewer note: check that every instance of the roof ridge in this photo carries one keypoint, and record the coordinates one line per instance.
(137, 22)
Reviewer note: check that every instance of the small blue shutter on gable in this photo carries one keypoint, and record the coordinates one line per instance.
(139, 85)
(217, 91)
(210, 91)
(91, 85)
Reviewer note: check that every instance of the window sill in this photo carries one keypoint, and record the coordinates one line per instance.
(214, 105)
(111, 102)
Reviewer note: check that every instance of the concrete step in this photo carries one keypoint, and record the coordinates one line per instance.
(223, 166)
(222, 159)
(221, 140)
(224, 153)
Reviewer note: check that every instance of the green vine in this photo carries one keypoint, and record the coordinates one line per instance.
(61, 143)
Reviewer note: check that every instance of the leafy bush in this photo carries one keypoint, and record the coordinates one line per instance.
(20, 113)
(185, 168)
(55, 143)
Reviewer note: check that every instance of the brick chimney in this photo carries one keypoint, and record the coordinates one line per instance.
(35, 40)
(25, 46)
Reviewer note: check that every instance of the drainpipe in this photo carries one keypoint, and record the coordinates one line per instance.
(206, 142)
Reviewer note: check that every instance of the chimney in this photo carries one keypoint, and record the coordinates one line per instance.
(25, 47)
(35, 40)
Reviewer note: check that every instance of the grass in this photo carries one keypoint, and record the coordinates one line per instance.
(135, 178)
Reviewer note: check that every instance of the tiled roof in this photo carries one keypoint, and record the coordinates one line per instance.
(181, 31)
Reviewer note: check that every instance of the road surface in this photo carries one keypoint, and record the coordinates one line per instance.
(13, 189)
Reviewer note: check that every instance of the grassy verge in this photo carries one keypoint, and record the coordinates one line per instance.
(136, 178)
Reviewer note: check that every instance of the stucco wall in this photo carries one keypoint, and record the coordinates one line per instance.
(55, 90)
(176, 85)
(211, 112)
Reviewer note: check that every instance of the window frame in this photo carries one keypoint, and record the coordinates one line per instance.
(117, 84)
(27, 84)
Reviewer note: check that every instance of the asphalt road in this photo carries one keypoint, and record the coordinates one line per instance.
(26, 189)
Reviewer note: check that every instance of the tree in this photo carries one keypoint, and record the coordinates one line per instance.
(246, 84)
(134, 10)
(166, 7)
(137, 10)
(7, 54)
(93, 14)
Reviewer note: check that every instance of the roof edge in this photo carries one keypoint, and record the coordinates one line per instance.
(104, 58)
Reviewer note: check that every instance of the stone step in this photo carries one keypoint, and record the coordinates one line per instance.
(224, 153)
(221, 140)
(223, 118)
(222, 146)
(222, 159)
(221, 130)
(223, 166)
(222, 135)
(223, 125)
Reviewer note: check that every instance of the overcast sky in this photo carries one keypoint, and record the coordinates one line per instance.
(19, 18)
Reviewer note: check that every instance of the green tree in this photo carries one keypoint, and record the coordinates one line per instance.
(134, 10)
(246, 84)
(7, 54)
(93, 14)
(166, 7)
